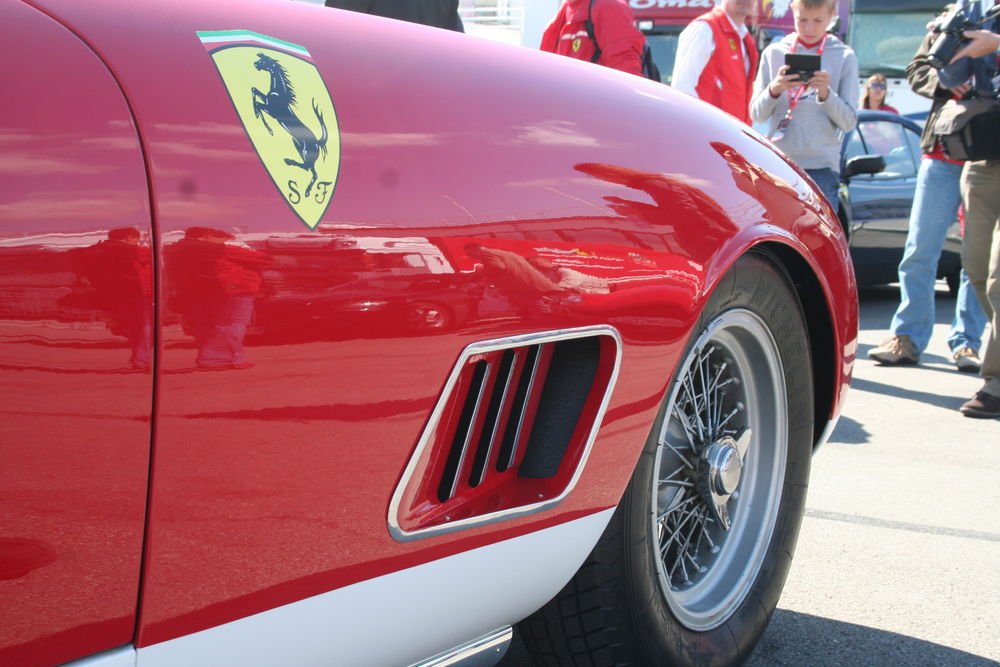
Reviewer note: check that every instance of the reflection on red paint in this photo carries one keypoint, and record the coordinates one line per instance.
(675, 202)
(213, 290)
(119, 273)
(19, 557)
(772, 193)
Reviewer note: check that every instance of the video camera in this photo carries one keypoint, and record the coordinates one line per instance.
(951, 26)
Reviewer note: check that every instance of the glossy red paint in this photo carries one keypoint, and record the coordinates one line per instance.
(75, 348)
(298, 366)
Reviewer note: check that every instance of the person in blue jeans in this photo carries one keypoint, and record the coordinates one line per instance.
(967, 327)
(935, 208)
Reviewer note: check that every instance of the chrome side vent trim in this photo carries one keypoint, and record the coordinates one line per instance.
(503, 392)
(510, 433)
(465, 432)
(515, 424)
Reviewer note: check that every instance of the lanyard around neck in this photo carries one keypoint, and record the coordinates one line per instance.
(794, 99)
(819, 51)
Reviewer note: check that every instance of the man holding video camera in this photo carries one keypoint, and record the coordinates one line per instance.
(936, 201)
(975, 55)
(806, 89)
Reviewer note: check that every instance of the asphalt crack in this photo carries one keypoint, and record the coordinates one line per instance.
(902, 525)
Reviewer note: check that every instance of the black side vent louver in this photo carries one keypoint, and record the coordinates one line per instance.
(510, 433)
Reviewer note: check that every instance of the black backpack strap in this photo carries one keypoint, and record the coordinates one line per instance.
(589, 26)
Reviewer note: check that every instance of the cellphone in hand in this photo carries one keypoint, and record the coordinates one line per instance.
(803, 64)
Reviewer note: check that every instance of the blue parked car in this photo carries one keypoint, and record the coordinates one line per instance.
(879, 161)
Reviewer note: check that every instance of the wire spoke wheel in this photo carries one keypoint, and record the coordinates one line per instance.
(720, 462)
(691, 565)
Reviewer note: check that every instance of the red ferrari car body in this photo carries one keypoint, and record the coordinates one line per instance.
(221, 395)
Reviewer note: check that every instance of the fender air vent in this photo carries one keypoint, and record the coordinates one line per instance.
(510, 433)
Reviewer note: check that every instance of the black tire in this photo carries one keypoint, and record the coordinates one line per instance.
(615, 610)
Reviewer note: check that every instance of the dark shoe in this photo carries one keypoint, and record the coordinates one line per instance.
(982, 406)
(967, 360)
(895, 351)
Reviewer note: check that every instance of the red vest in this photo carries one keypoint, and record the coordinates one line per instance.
(726, 82)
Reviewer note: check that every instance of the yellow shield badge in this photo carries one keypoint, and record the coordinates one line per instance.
(286, 110)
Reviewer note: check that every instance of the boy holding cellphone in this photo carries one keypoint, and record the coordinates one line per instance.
(807, 116)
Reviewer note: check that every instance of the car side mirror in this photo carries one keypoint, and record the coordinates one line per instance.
(864, 164)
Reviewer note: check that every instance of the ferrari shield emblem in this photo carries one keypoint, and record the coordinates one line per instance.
(286, 110)
(576, 44)
(732, 44)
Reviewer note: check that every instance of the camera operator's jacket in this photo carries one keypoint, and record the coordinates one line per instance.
(924, 81)
(814, 134)
(979, 72)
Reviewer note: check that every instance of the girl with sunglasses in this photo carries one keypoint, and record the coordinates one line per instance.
(874, 95)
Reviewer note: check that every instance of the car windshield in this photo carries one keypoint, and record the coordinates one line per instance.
(664, 48)
(886, 42)
(898, 145)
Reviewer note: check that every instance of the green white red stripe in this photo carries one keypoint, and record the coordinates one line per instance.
(214, 38)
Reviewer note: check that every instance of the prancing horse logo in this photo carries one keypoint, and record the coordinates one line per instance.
(278, 105)
(299, 144)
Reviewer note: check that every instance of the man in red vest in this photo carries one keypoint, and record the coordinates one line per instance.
(717, 58)
(619, 43)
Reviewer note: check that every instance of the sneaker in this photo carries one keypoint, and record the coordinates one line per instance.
(967, 360)
(895, 351)
(982, 406)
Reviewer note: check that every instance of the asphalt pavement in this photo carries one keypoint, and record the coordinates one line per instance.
(898, 560)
